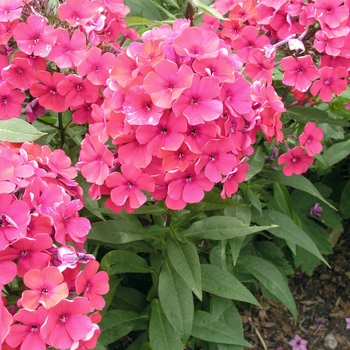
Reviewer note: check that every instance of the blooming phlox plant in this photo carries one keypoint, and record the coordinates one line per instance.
(42, 249)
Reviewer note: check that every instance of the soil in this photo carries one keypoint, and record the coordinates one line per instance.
(323, 302)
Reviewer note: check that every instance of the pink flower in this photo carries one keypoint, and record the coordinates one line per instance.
(167, 82)
(299, 72)
(347, 320)
(77, 12)
(197, 43)
(14, 219)
(96, 65)
(94, 284)
(68, 52)
(231, 181)
(331, 12)
(298, 343)
(34, 36)
(200, 103)
(311, 138)
(139, 108)
(10, 101)
(297, 161)
(127, 185)
(331, 81)
(10, 10)
(67, 323)
(27, 333)
(46, 288)
(6, 320)
(46, 91)
(94, 160)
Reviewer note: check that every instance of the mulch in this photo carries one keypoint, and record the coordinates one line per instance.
(323, 302)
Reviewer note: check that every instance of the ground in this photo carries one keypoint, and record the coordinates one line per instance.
(323, 302)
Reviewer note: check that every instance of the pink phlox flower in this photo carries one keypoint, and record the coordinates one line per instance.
(10, 10)
(311, 138)
(186, 187)
(347, 321)
(82, 114)
(46, 287)
(332, 80)
(4, 62)
(14, 218)
(151, 52)
(236, 96)
(324, 43)
(77, 90)
(140, 109)
(231, 181)
(299, 72)
(11, 101)
(209, 23)
(95, 160)
(38, 63)
(220, 67)
(178, 159)
(297, 162)
(77, 12)
(200, 103)
(69, 226)
(216, 159)
(244, 11)
(7, 266)
(233, 129)
(14, 173)
(196, 43)
(61, 165)
(96, 66)
(34, 36)
(231, 29)
(68, 52)
(70, 258)
(259, 67)
(198, 135)
(46, 91)
(125, 68)
(31, 253)
(248, 40)
(67, 323)
(33, 110)
(6, 320)
(224, 6)
(127, 185)
(6, 29)
(168, 134)
(93, 284)
(331, 12)
(167, 82)
(26, 333)
(117, 7)
(19, 73)
(298, 343)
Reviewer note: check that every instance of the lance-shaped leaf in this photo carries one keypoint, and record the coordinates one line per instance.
(18, 130)
(271, 278)
(222, 283)
(221, 227)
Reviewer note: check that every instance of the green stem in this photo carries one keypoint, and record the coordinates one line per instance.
(61, 128)
(189, 13)
(286, 92)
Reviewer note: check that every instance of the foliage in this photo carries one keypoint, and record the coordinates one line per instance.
(211, 141)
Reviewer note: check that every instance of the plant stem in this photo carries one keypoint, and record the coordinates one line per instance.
(61, 128)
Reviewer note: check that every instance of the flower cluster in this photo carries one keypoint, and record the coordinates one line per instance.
(42, 252)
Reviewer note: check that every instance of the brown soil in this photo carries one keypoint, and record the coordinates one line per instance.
(323, 302)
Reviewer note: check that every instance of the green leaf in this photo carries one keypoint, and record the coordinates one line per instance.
(121, 261)
(312, 114)
(271, 278)
(115, 232)
(288, 230)
(206, 9)
(139, 21)
(129, 299)
(299, 182)
(256, 163)
(345, 202)
(272, 253)
(221, 227)
(118, 323)
(222, 283)
(236, 246)
(184, 258)
(206, 328)
(213, 201)
(161, 333)
(307, 261)
(113, 284)
(218, 306)
(144, 9)
(282, 198)
(176, 299)
(254, 199)
(336, 153)
(137, 343)
(18, 130)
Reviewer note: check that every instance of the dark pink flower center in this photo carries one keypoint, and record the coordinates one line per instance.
(34, 329)
(45, 291)
(188, 178)
(63, 319)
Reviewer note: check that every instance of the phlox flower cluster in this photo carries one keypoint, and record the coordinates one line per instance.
(42, 249)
